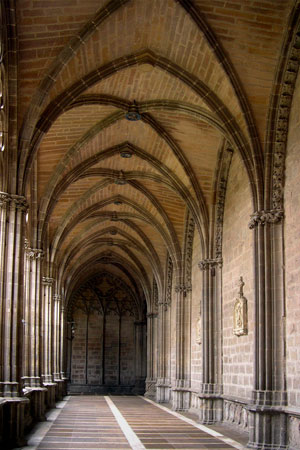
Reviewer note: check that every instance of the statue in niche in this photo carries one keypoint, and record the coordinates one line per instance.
(240, 326)
(198, 331)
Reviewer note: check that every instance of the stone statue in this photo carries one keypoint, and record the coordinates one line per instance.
(240, 317)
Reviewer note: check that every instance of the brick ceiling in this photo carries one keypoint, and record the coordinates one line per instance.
(202, 75)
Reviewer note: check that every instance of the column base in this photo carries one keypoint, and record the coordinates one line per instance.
(162, 390)
(181, 395)
(211, 409)
(50, 395)
(267, 428)
(150, 388)
(13, 422)
(60, 388)
(37, 398)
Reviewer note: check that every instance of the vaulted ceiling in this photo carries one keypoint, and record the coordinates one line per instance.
(115, 193)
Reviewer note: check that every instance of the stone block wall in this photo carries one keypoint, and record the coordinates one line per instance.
(292, 269)
(238, 352)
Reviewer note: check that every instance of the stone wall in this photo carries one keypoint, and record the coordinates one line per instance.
(196, 345)
(238, 352)
(292, 267)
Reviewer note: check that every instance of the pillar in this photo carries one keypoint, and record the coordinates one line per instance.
(32, 351)
(211, 388)
(181, 391)
(57, 347)
(47, 367)
(267, 421)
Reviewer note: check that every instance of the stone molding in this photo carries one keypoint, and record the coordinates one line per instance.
(14, 201)
(208, 264)
(265, 216)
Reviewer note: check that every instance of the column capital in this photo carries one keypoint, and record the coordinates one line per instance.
(57, 297)
(183, 288)
(34, 253)
(207, 264)
(47, 281)
(14, 201)
(265, 216)
(151, 315)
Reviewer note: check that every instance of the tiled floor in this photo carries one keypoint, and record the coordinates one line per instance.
(122, 422)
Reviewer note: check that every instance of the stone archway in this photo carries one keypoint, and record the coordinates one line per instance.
(107, 338)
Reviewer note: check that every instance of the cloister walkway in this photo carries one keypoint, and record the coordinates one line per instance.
(123, 422)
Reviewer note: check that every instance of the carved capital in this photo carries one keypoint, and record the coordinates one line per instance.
(34, 253)
(57, 297)
(183, 288)
(4, 199)
(152, 315)
(48, 281)
(265, 216)
(19, 202)
(14, 201)
(208, 264)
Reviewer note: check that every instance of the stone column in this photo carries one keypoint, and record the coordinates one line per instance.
(163, 385)
(31, 338)
(12, 218)
(181, 390)
(47, 368)
(60, 390)
(151, 355)
(267, 422)
(211, 390)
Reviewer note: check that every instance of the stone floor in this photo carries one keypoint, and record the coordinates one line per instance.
(122, 422)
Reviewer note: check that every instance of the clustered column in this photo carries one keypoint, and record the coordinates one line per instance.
(12, 220)
(210, 403)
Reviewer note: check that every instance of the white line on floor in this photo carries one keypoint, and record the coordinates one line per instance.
(130, 435)
(207, 430)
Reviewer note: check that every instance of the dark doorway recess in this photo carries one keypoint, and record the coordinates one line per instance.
(107, 338)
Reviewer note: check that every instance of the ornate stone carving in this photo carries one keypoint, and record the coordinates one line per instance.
(155, 295)
(208, 264)
(221, 185)
(264, 216)
(169, 283)
(240, 320)
(281, 126)
(189, 238)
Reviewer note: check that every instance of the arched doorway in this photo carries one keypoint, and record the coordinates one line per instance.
(107, 337)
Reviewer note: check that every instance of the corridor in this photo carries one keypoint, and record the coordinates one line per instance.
(123, 422)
